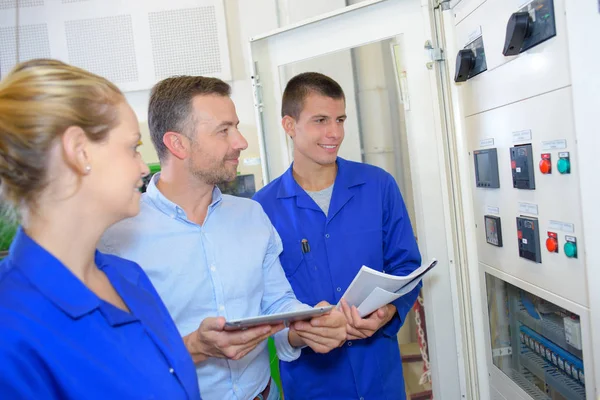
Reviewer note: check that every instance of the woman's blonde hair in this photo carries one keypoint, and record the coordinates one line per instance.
(39, 100)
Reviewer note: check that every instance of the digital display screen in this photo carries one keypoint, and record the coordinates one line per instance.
(483, 167)
(493, 231)
(486, 168)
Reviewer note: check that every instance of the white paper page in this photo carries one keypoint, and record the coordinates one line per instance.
(378, 298)
(367, 280)
(408, 288)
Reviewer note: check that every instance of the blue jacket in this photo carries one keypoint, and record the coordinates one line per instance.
(367, 224)
(58, 340)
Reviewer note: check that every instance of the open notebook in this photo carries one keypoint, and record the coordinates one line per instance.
(372, 289)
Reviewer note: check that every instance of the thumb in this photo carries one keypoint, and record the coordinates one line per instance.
(381, 312)
(213, 324)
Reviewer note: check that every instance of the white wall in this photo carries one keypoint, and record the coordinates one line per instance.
(244, 19)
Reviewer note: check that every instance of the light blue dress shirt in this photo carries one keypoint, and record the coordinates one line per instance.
(227, 267)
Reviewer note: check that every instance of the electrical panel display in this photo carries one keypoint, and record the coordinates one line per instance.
(486, 168)
(521, 159)
(530, 26)
(493, 230)
(528, 234)
(534, 342)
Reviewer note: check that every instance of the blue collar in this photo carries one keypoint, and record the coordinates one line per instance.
(348, 177)
(167, 206)
(344, 179)
(55, 281)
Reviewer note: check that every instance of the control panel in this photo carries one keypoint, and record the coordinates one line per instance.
(536, 341)
(520, 111)
(521, 161)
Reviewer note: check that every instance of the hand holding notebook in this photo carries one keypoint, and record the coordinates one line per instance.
(371, 289)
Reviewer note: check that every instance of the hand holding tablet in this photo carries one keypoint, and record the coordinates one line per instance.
(276, 319)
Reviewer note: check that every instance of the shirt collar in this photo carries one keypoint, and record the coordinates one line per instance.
(167, 206)
(344, 178)
(51, 277)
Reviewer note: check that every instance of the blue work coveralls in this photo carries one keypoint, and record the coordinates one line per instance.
(367, 224)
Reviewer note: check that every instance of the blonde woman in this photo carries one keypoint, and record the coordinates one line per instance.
(76, 323)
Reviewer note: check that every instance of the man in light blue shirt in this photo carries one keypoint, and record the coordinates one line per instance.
(214, 257)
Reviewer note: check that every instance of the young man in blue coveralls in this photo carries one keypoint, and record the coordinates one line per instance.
(334, 216)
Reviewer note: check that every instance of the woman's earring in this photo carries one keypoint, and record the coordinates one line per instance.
(88, 168)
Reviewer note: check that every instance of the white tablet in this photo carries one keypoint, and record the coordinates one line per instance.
(276, 319)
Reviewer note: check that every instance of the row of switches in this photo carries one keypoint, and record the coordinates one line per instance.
(563, 165)
(570, 247)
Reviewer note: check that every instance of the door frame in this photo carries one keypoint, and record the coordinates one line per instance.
(372, 21)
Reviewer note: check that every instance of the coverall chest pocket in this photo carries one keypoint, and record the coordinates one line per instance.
(299, 268)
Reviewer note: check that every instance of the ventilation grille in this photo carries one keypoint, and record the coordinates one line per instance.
(6, 4)
(33, 43)
(185, 42)
(134, 44)
(103, 46)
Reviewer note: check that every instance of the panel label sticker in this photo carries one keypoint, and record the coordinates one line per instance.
(561, 226)
(528, 208)
(492, 210)
(554, 144)
(521, 136)
(473, 35)
(486, 142)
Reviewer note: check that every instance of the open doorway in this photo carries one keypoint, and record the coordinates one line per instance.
(374, 79)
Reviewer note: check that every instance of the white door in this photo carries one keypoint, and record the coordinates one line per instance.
(375, 49)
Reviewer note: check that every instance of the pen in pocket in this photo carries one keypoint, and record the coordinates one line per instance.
(305, 246)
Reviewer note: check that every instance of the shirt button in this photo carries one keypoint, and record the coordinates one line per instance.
(221, 308)
(213, 268)
(339, 289)
(362, 398)
(327, 235)
(171, 370)
(350, 344)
